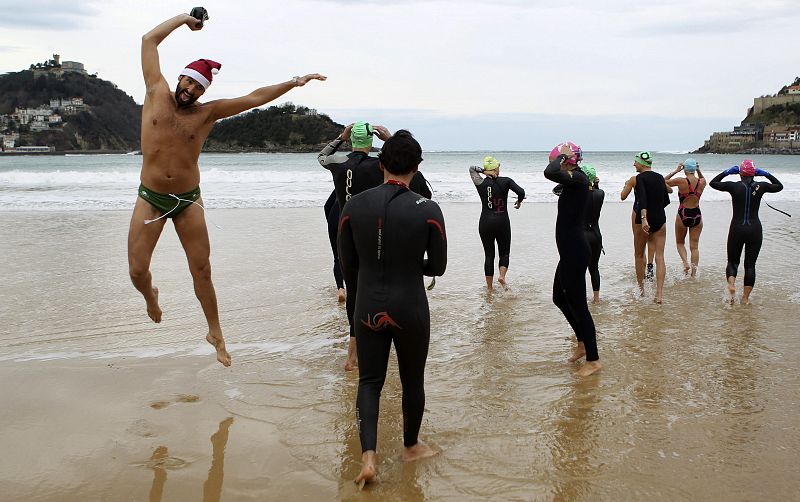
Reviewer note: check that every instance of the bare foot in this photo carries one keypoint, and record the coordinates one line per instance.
(153, 310)
(368, 472)
(502, 281)
(590, 368)
(219, 344)
(596, 298)
(352, 355)
(694, 270)
(744, 300)
(578, 352)
(341, 296)
(731, 292)
(418, 451)
(657, 300)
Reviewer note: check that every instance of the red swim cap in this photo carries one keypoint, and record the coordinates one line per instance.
(747, 168)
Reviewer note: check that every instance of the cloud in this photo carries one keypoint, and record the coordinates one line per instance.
(49, 14)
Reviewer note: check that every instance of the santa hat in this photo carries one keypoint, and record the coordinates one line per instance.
(202, 70)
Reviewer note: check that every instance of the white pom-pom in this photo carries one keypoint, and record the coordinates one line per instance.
(214, 71)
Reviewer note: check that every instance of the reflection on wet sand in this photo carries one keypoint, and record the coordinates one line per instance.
(160, 462)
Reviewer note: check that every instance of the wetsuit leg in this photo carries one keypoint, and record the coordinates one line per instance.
(373, 359)
(332, 215)
(411, 346)
(735, 245)
(751, 249)
(569, 295)
(504, 242)
(486, 229)
(594, 258)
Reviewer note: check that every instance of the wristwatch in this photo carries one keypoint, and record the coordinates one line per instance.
(296, 80)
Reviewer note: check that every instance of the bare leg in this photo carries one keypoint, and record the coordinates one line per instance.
(502, 279)
(142, 241)
(341, 295)
(694, 246)
(596, 298)
(658, 241)
(578, 353)
(639, 243)
(368, 472)
(731, 289)
(746, 295)
(352, 355)
(418, 451)
(590, 368)
(680, 242)
(489, 279)
(193, 234)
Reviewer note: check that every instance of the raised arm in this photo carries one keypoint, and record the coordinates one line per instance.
(670, 181)
(773, 186)
(223, 108)
(718, 184)
(327, 157)
(436, 263)
(151, 67)
(474, 173)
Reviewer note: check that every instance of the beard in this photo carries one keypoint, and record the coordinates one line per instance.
(181, 103)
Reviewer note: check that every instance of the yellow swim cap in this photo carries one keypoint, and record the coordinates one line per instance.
(490, 163)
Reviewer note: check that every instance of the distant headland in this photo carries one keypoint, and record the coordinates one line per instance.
(772, 126)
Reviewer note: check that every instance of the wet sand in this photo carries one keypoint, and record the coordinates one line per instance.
(697, 399)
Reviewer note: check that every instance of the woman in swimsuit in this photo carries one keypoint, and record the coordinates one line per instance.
(688, 220)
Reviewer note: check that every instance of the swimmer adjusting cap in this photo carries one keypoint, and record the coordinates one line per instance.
(644, 158)
(690, 165)
(576, 150)
(361, 135)
(490, 164)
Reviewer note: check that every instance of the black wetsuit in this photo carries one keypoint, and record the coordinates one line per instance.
(383, 236)
(494, 224)
(332, 216)
(745, 230)
(353, 173)
(652, 194)
(569, 283)
(591, 231)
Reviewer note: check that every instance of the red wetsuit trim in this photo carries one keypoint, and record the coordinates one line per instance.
(439, 226)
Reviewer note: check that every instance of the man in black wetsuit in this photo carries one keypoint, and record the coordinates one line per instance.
(384, 234)
(494, 224)
(652, 193)
(745, 230)
(569, 283)
(353, 173)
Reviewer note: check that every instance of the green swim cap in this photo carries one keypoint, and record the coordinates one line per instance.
(590, 172)
(490, 163)
(644, 158)
(361, 135)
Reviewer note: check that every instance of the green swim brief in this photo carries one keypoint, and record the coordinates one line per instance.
(170, 205)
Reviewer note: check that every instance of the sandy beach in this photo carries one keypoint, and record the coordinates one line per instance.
(698, 400)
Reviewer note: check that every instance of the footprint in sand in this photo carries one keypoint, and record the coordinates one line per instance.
(180, 398)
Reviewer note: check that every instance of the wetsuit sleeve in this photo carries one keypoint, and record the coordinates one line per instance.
(436, 262)
(328, 156)
(554, 173)
(348, 256)
(773, 186)
(473, 173)
(718, 184)
(422, 186)
(516, 189)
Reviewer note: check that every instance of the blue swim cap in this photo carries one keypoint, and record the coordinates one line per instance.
(690, 165)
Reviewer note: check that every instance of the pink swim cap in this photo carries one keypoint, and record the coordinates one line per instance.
(555, 152)
(747, 168)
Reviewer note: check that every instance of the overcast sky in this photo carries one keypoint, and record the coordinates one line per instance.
(462, 75)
